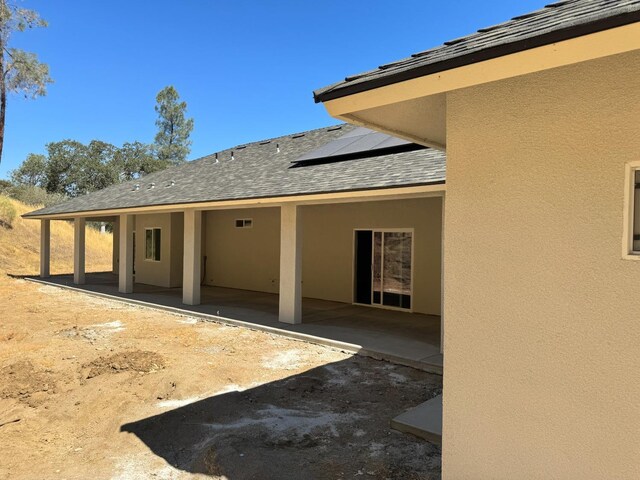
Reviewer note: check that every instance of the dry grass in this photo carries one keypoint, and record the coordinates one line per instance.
(20, 246)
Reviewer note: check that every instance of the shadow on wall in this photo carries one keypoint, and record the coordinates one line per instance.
(329, 422)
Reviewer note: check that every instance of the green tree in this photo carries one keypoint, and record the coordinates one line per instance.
(172, 142)
(63, 162)
(71, 168)
(20, 71)
(136, 159)
(31, 172)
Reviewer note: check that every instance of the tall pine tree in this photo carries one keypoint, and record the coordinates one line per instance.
(172, 142)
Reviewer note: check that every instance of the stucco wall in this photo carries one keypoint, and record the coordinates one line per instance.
(152, 272)
(249, 258)
(542, 315)
(245, 258)
(327, 252)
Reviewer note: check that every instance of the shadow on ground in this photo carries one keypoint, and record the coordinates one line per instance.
(326, 423)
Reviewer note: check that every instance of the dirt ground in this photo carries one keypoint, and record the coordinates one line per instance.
(91, 388)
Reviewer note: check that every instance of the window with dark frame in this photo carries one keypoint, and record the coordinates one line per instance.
(244, 223)
(152, 244)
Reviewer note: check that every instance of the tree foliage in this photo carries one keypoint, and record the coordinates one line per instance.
(172, 143)
(72, 168)
(20, 72)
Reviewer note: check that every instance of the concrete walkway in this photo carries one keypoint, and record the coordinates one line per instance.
(424, 421)
(405, 338)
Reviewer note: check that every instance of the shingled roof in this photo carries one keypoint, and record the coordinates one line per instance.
(260, 170)
(554, 23)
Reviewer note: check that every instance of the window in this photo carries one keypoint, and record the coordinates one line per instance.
(244, 223)
(631, 243)
(152, 244)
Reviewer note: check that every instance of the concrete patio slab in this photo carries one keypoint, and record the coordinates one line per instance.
(424, 421)
(405, 338)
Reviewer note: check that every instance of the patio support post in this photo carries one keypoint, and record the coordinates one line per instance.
(126, 224)
(45, 248)
(290, 264)
(192, 257)
(79, 231)
(115, 235)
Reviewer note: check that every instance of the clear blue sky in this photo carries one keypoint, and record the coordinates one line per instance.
(246, 69)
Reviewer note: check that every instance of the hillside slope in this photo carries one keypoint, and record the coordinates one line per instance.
(20, 246)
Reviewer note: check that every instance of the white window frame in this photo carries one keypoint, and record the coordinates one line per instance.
(628, 252)
(153, 245)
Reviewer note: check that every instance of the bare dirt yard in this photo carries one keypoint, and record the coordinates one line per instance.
(92, 388)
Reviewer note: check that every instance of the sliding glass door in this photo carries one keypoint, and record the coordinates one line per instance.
(383, 268)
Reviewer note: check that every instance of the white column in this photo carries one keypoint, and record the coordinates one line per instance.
(192, 257)
(115, 235)
(79, 225)
(45, 248)
(290, 264)
(126, 224)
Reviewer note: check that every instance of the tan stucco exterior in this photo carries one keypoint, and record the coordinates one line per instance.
(542, 334)
(168, 271)
(327, 252)
(249, 258)
(245, 258)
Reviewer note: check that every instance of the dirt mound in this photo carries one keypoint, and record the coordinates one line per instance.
(21, 380)
(133, 361)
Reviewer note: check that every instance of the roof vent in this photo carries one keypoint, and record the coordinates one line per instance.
(151, 185)
(232, 156)
(136, 187)
(266, 142)
(277, 148)
(171, 184)
(298, 135)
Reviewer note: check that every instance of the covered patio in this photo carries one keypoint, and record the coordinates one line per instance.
(412, 339)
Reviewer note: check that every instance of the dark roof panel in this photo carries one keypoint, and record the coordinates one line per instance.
(554, 23)
(357, 143)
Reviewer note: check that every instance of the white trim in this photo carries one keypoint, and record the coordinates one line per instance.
(353, 267)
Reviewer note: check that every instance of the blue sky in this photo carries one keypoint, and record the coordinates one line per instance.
(246, 69)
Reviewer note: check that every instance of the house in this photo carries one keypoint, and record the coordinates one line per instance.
(539, 117)
(340, 214)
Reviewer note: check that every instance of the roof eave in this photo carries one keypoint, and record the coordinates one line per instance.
(574, 31)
